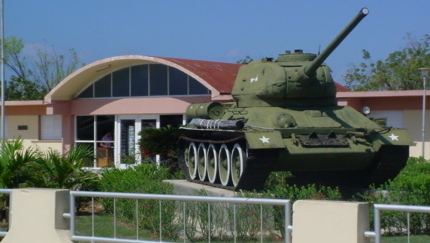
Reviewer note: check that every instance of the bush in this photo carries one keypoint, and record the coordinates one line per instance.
(65, 171)
(14, 163)
(410, 187)
(145, 178)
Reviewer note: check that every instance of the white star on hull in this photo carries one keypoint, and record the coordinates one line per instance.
(394, 137)
(264, 139)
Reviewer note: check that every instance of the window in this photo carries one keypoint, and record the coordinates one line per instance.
(90, 131)
(178, 82)
(144, 80)
(120, 83)
(158, 75)
(51, 128)
(139, 80)
(103, 87)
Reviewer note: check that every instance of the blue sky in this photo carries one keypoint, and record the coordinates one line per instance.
(223, 30)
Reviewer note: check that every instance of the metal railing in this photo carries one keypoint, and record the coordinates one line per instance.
(5, 191)
(396, 208)
(208, 199)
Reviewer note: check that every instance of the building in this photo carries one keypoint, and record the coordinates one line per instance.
(126, 94)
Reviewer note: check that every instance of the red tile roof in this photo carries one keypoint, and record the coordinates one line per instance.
(220, 75)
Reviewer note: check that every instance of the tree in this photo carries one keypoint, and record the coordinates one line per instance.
(162, 141)
(36, 74)
(400, 71)
(66, 171)
(22, 89)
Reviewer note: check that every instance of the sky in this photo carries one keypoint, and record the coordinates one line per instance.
(220, 31)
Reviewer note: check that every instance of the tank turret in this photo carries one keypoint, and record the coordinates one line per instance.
(285, 118)
(290, 77)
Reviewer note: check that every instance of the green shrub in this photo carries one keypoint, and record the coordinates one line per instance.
(65, 171)
(162, 141)
(410, 187)
(14, 163)
(145, 178)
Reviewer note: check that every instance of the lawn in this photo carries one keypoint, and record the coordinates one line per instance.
(104, 227)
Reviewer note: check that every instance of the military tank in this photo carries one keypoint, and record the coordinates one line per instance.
(285, 117)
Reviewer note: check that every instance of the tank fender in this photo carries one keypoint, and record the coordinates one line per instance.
(265, 140)
(393, 136)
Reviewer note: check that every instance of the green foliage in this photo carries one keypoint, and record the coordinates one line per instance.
(162, 141)
(34, 76)
(29, 167)
(66, 171)
(410, 187)
(277, 178)
(313, 192)
(399, 71)
(145, 178)
(14, 161)
(21, 89)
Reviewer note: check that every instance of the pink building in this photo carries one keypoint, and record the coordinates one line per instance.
(125, 94)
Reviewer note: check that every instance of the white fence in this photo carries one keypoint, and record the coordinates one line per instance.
(397, 208)
(204, 199)
(318, 219)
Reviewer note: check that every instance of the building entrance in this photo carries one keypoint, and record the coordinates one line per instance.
(127, 151)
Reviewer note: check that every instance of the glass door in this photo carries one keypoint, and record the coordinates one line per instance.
(128, 129)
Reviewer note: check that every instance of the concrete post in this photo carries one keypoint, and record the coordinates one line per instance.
(37, 216)
(330, 221)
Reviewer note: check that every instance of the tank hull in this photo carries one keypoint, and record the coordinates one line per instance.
(325, 141)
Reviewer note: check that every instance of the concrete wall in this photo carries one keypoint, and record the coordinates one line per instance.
(37, 216)
(330, 221)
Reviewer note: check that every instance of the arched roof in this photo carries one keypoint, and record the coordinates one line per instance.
(218, 77)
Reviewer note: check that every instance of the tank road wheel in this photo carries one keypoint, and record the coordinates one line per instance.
(186, 159)
(224, 165)
(237, 163)
(192, 160)
(212, 165)
(202, 161)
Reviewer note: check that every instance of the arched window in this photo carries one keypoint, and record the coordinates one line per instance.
(144, 80)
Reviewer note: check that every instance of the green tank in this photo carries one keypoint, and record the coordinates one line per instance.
(285, 117)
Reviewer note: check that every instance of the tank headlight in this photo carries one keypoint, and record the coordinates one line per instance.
(365, 110)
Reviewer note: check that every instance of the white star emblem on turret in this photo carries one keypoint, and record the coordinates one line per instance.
(393, 137)
(264, 139)
(254, 79)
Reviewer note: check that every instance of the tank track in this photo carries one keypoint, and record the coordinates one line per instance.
(258, 165)
(389, 162)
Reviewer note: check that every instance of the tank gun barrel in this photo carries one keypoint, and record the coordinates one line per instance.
(310, 69)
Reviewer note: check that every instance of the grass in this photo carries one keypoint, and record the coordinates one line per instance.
(104, 227)
(404, 239)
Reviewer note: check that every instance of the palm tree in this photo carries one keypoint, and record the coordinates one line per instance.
(14, 160)
(67, 171)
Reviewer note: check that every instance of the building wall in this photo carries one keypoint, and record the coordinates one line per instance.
(131, 106)
(30, 136)
(31, 122)
(45, 145)
(412, 120)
